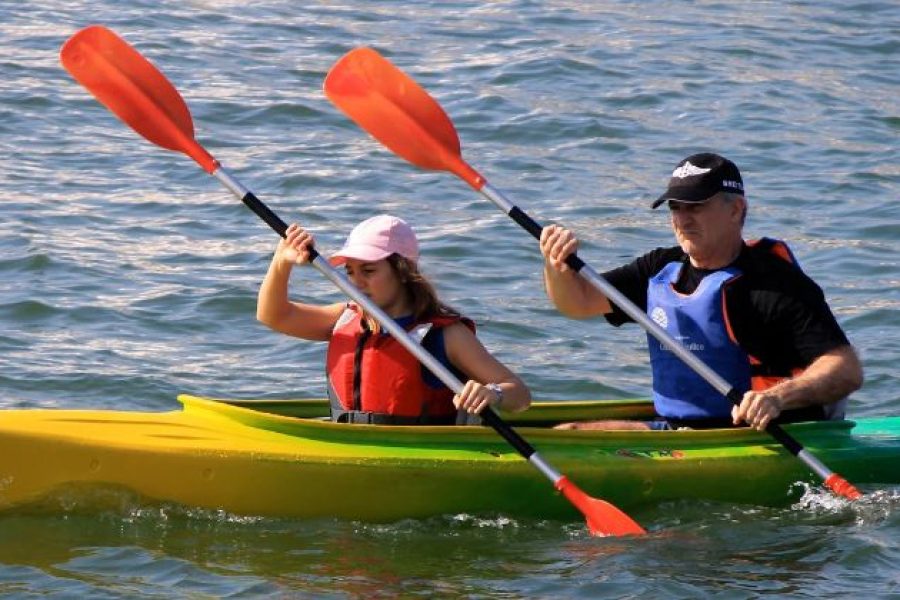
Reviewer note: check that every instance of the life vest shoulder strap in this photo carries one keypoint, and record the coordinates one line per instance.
(777, 247)
(419, 330)
(447, 320)
(350, 312)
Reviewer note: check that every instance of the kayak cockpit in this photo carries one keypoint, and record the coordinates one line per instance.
(540, 414)
(308, 418)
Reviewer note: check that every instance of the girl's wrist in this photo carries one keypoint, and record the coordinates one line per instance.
(497, 402)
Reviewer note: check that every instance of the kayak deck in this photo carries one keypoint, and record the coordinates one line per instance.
(278, 458)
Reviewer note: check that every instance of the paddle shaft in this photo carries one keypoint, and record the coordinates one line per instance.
(400, 334)
(629, 308)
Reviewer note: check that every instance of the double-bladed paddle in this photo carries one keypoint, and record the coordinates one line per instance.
(139, 94)
(399, 113)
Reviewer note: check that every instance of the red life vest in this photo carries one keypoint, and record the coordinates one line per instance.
(372, 378)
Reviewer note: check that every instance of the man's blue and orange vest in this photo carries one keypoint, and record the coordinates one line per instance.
(700, 322)
(373, 379)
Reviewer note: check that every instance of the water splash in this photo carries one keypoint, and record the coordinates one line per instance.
(873, 508)
(499, 522)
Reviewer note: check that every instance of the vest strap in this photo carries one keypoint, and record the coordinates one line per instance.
(372, 418)
(357, 365)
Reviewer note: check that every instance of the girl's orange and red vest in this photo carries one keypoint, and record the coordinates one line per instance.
(373, 379)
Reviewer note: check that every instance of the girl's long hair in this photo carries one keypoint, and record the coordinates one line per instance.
(422, 295)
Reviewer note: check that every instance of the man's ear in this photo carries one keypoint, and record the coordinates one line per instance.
(740, 209)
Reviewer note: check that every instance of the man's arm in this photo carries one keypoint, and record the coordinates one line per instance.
(572, 295)
(829, 378)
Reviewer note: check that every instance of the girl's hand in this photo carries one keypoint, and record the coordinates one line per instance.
(294, 248)
(475, 397)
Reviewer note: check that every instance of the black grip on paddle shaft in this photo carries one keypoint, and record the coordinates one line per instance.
(534, 228)
(265, 213)
(527, 223)
(773, 429)
(515, 440)
(793, 446)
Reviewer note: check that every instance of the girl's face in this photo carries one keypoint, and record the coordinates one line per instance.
(380, 283)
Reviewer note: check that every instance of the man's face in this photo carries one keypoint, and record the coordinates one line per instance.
(704, 229)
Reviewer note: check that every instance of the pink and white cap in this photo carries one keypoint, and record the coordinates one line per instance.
(377, 238)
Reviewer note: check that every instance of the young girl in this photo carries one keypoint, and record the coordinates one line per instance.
(371, 377)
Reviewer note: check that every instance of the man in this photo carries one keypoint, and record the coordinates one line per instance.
(745, 309)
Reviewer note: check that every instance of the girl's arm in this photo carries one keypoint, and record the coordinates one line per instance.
(307, 321)
(468, 354)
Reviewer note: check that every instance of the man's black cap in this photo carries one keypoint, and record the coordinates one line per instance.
(700, 176)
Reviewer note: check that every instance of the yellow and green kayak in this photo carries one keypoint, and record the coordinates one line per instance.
(280, 458)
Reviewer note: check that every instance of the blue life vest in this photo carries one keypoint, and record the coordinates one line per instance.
(698, 321)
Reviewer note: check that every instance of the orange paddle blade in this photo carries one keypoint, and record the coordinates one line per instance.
(134, 90)
(396, 111)
(602, 517)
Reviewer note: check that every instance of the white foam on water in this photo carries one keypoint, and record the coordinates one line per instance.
(874, 507)
(499, 522)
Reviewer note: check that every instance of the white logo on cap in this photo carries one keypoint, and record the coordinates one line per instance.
(688, 170)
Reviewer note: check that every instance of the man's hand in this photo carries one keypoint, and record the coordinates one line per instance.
(757, 409)
(557, 243)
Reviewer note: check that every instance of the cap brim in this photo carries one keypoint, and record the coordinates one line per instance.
(668, 196)
(660, 200)
(360, 252)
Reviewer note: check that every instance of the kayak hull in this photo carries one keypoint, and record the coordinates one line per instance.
(277, 459)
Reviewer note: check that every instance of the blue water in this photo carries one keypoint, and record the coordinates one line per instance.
(129, 276)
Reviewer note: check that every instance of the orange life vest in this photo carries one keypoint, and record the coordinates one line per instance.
(372, 378)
